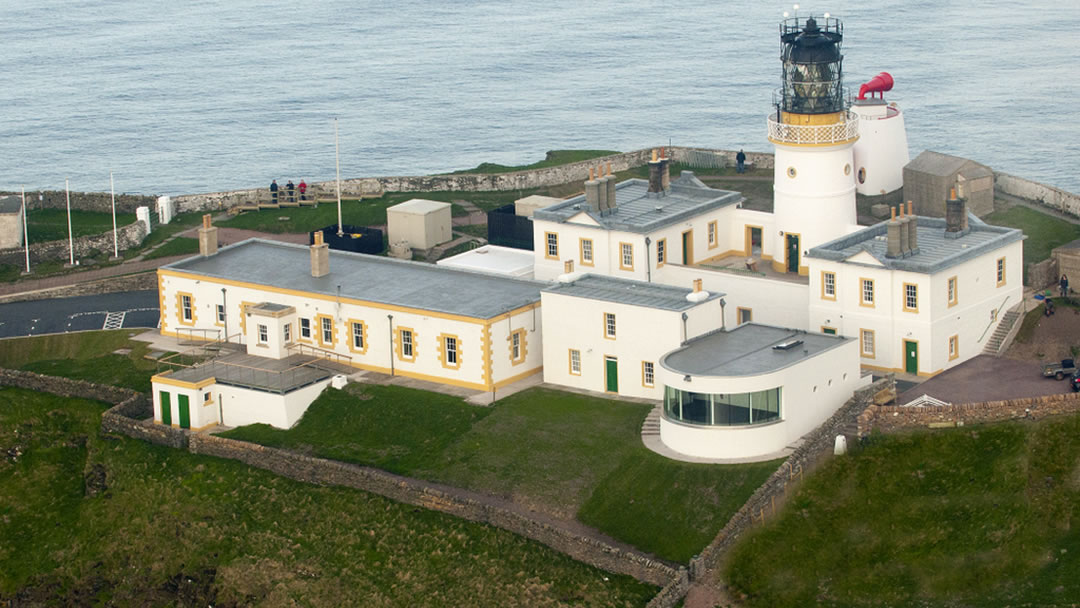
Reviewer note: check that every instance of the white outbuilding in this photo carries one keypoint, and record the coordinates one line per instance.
(421, 223)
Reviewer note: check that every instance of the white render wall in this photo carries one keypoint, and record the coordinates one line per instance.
(772, 302)
(818, 203)
(810, 392)
(881, 150)
(202, 414)
(421, 223)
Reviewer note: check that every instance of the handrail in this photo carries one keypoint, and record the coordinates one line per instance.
(835, 133)
(997, 312)
(322, 353)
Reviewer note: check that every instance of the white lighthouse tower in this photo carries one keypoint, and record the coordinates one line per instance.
(814, 179)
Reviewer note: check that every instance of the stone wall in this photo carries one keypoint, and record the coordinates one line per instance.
(1042, 275)
(1054, 198)
(765, 501)
(86, 201)
(113, 284)
(888, 419)
(126, 236)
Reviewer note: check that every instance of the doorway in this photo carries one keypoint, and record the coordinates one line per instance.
(792, 252)
(911, 356)
(611, 374)
(752, 242)
(185, 411)
(688, 247)
(166, 409)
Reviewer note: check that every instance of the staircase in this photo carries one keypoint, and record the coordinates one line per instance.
(651, 426)
(994, 346)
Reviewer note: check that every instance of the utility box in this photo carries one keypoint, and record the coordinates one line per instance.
(11, 222)
(166, 209)
(421, 223)
(526, 206)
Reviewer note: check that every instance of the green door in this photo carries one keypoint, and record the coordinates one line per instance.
(166, 409)
(911, 357)
(829, 331)
(687, 248)
(185, 414)
(611, 375)
(793, 253)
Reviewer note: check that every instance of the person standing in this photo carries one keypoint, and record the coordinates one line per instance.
(740, 162)
(273, 191)
(303, 189)
(291, 189)
(1064, 285)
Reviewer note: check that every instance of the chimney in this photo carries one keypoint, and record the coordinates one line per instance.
(605, 184)
(611, 188)
(697, 285)
(568, 266)
(956, 223)
(913, 229)
(320, 257)
(665, 171)
(656, 180)
(592, 191)
(208, 243)
(893, 249)
(698, 294)
(904, 230)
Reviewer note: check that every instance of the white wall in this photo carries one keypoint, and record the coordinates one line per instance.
(772, 302)
(241, 406)
(818, 203)
(202, 413)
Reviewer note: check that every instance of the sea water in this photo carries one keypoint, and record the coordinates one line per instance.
(200, 95)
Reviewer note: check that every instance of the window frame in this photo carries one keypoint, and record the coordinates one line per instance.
(661, 252)
(610, 324)
(305, 327)
(712, 232)
(551, 240)
(570, 361)
(825, 295)
(353, 324)
(399, 339)
(286, 333)
(624, 249)
(739, 312)
(322, 329)
(863, 281)
(648, 374)
(954, 347)
(219, 314)
(450, 348)
(262, 332)
(1000, 275)
(185, 315)
(914, 288)
(517, 339)
(872, 353)
(952, 290)
(591, 260)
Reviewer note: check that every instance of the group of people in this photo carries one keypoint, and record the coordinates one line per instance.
(290, 191)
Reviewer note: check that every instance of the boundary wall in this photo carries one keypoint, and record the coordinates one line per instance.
(890, 419)
(126, 237)
(1048, 196)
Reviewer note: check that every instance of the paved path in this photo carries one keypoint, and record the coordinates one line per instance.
(129, 267)
(81, 313)
(987, 378)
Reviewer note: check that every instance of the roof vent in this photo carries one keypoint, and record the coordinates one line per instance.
(659, 208)
(790, 344)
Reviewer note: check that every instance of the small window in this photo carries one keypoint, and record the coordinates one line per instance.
(586, 252)
(867, 340)
(220, 313)
(1000, 272)
(712, 234)
(954, 347)
(305, 328)
(791, 172)
(575, 362)
(185, 307)
(206, 397)
(609, 325)
(358, 336)
(911, 297)
(954, 294)
(552, 245)
(626, 259)
(661, 252)
(647, 378)
(451, 350)
(828, 285)
(745, 315)
(517, 346)
(286, 332)
(327, 330)
(264, 335)
(406, 344)
(867, 292)
(862, 175)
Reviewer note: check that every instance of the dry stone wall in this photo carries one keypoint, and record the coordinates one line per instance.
(889, 419)
(126, 237)
(1054, 198)
(87, 201)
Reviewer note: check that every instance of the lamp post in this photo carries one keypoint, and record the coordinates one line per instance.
(26, 236)
(71, 239)
(116, 244)
(337, 162)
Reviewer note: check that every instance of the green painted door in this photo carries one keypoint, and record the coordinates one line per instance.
(611, 365)
(829, 331)
(185, 413)
(166, 409)
(911, 357)
(687, 249)
(793, 253)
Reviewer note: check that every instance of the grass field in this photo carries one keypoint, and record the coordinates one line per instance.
(83, 356)
(1044, 231)
(366, 212)
(52, 224)
(565, 454)
(181, 245)
(89, 519)
(480, 230)
(976, 516)
(553, 158)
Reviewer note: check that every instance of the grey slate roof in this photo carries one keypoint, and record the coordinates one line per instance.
(746, 350)
(626, 291)
(936, 252)
(637, 211)
(945, 165)
(10, 204)
(367, 277)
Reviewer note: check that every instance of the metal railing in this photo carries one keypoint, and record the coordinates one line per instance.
(993, 319)
(304, 349)
(836, 133)
(197, 336)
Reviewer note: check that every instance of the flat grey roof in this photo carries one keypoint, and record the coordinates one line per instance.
(367, 277)
(746, 350)
(936, 252)
(10, 204)
(625, 291)
(636, 210)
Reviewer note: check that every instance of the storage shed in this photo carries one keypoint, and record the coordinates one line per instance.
(928, 179)
(421, 223)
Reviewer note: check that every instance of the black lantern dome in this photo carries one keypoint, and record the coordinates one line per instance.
(813, 78)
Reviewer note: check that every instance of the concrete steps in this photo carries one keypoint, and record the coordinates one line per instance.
(651, 426)
(997, 340)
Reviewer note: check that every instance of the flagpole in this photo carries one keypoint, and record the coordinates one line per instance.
(26, 237)
(115, 242)
(337, 161)
(71, 239)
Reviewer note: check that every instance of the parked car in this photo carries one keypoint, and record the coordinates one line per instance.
(1075, 381)
(1059, 370)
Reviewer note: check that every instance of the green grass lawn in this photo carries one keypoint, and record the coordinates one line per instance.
(83, 356)
(562, 453)
(1044, 231)
(51, 224)
(553, 158)
(366, 212)
(480, 230)
(170, 528)
(181, 245)
(976, 516)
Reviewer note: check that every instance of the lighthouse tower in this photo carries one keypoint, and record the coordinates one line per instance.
(882, 150)
(814, 179)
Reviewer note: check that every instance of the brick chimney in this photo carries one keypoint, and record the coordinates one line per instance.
(320, 257)
(208, 239)
(568, 266)
(905, 229)
(606, 183)
(656, 179)
(893, 249)
(956, 222)
(665, 171)
(913, 229)
(592, 191)
(611, 188)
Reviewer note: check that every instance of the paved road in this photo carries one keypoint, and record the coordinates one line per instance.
(106, 311)
(987, 378)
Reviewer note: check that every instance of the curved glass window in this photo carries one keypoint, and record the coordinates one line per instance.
(715, 409)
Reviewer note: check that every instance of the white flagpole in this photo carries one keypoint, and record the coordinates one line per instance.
(71, 239)
(26, 236)
(337, 161)
(116, 244)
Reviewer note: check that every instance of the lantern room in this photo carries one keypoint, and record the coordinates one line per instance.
(812, 78)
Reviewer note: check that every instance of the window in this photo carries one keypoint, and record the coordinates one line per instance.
(450, 351)
(552, 241)
(586, 252)
(954, 347)
(626, 257)
(405, 338)
(866, 337)
(1000, 272)
(712, 235)
(867, 295)
(187, 311)
(357, 335)
(609, 325)
(264, 335)
(220, 314)
(828, 285)
(954, 294)
(517, 346)
(737, 409)
(828, 331)
(327, 335)
(911, 297)
(647, 377)
(286, 332)
(661, 252)
(745, 315)
(305, 328)
(575, 362)
(206, 398)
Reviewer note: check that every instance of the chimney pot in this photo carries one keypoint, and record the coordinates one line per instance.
(568, 266)
(697, 284)
(208, 238)
(320, 257)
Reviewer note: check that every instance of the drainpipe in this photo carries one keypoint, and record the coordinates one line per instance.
(648, 263)
(723, 320)
(390, 320)
(684, 318)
